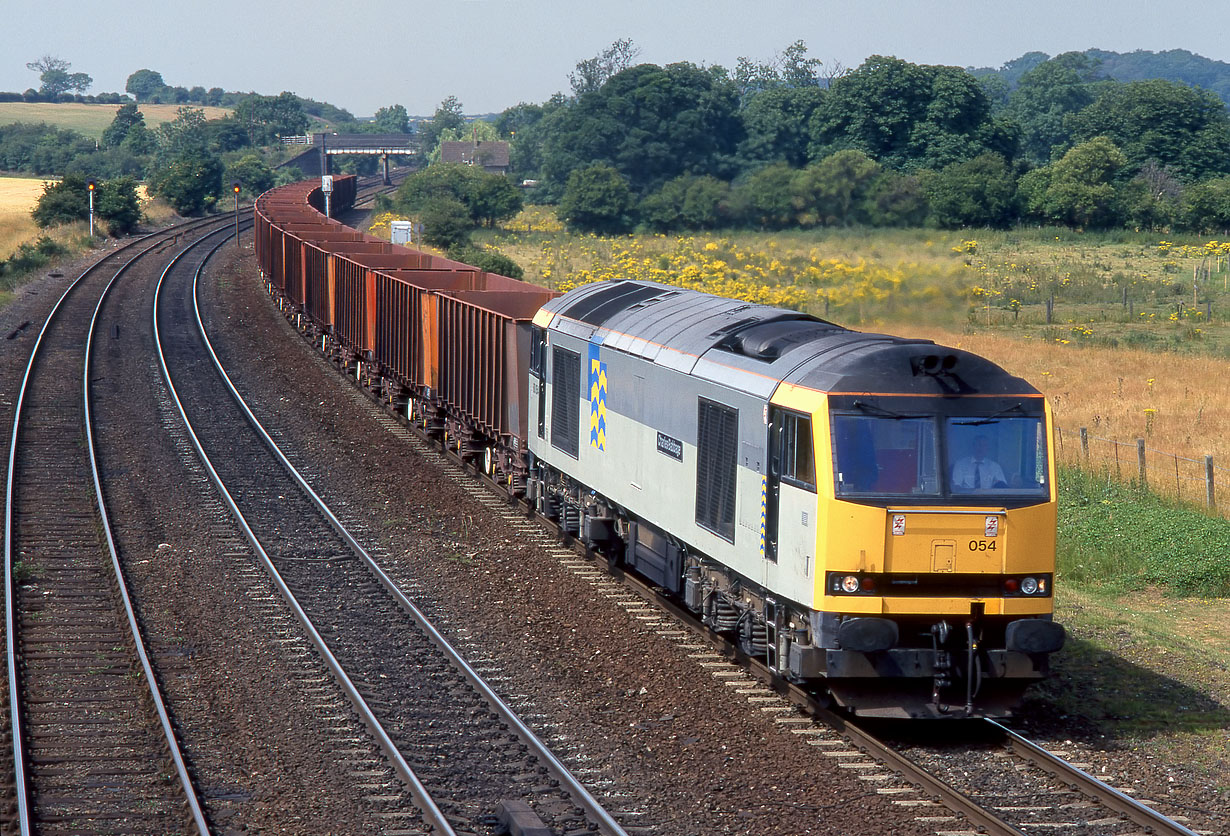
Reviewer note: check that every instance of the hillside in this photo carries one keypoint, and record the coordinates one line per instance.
(89, 119)
(1171, 65)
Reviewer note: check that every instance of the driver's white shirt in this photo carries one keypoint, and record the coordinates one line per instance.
(977, 474)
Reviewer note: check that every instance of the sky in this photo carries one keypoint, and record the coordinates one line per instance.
(491, 54)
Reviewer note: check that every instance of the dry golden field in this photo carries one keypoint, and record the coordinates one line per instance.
(89, 119)
(1179, 403)
(17, 197)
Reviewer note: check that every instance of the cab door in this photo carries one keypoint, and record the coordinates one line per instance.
(790, 491)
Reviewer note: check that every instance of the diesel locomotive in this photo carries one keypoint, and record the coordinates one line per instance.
(871, 515)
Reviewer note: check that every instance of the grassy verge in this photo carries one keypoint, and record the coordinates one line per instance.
(1117, 539)
(1148, 658)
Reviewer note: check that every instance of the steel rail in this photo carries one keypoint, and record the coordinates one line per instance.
(562, 773)
(20, 778)
(955, 800)
(164, 718)
(1099, 791)
(431, 812)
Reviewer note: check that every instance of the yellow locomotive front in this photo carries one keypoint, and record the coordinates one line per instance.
(937, 552)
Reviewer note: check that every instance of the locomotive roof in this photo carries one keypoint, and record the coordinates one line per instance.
(753, 348)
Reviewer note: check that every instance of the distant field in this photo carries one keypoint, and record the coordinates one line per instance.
(89, 119)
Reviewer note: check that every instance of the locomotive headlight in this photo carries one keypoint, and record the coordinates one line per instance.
(1029, 586)
(849, 583)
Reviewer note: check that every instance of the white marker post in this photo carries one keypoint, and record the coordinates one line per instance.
(326, 186)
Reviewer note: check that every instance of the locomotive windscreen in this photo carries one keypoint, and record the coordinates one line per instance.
(891, 455)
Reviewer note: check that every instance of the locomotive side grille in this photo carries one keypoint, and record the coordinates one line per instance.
(716, 464)
(565, 401)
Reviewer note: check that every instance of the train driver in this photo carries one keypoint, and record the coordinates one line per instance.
(978, 471)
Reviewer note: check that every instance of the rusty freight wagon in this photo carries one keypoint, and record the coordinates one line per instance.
(444, 342)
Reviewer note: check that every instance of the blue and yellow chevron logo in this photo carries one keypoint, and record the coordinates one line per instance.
(764, 510)
(597, 400)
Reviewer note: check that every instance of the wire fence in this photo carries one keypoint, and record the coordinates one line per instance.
(1188, 480)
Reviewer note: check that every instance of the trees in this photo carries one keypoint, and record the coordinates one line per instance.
(392, 120)
(766, 195)
(687, 202)
(907, 116)
(491, 260)
(596, 199)
(791, 68)
(446, 222)
(1046, 99)
(188, 173)
(144, 85)
(115, 202)
(252, 173)
(650, 123)
(63, 202)
(1205, 206)
(40, 149)
(126, 118)
(977, 192)
(1182, 127)
(1081, 189)
(592, 73)
(190, 182)
(838, 187)
(265, 118)
(776, 125)
(55, 78)
(487, 198)
(448, 115)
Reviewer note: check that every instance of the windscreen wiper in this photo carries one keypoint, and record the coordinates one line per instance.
(879, 410)
(990, 419)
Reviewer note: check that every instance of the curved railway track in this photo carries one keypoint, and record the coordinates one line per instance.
(465, 755)
(997, 782)
(94, 749)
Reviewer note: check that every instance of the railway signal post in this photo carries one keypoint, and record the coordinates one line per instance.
(235, 189)
(90, 185)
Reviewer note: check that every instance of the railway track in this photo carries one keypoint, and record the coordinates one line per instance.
(996, 782)
(94, 749)
(466, 757)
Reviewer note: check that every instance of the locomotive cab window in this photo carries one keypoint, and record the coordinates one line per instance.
(793, 459)
(997, 456)
(538, 352)
(885, 455)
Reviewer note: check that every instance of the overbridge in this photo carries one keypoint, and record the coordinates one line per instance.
(384, 145)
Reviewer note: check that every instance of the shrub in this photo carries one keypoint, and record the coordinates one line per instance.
(491, 260)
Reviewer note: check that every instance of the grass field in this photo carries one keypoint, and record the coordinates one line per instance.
(89, 119)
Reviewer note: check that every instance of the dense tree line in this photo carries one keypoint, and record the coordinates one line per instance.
(787, 143)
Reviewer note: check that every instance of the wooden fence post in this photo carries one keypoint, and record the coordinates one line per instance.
(1085, 444)
(1140, 461)
(1210, 497)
